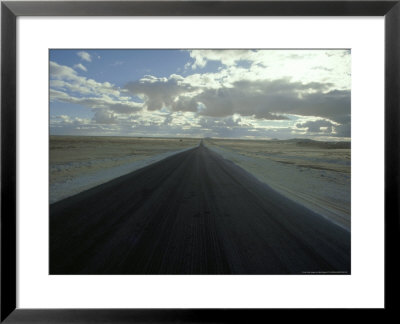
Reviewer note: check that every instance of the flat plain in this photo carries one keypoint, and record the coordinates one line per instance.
(315, 174)
(78, 163)
(199, 206)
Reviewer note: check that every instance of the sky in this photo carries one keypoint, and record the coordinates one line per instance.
(247, 94)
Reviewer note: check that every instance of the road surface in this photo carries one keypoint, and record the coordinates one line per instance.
(192, 213)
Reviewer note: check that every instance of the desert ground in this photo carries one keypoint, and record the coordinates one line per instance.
(78, 163)
(194, 212)
(199, 206)
(312, 173)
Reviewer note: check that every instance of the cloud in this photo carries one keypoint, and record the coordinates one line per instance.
(205, 95)
(226, 57)
(323, 68)
(103, 116)
(333, 66)
(161, 92)
(326, 127)
(117, 63)
(272, 85)
(121, 107)
(66, 125)
(64, 77)
(236, 127)
(261, 99)
(253, 94)
(265, 99)
(317, 126)
(84, 56)
(64, 119)
(67, 86)
(81, 67)
(343, 130)
(62, 72)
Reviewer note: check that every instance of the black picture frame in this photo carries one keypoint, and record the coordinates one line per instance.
(10, 10)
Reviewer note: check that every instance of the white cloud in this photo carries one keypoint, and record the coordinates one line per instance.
(81, 67)
(226, 57)
(272, 85)
(104, 102)
(84, 56)
(62, 72)
(64, 119)
(117, 63)
(64, 77)
(333, 66)
(67, 86)
(253, 94)
(318, 126)
(247, 93)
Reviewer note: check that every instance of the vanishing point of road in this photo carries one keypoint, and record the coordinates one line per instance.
(192, 213)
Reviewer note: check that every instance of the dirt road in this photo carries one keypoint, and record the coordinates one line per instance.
(192, 213)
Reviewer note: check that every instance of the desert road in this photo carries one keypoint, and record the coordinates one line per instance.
(191, 213)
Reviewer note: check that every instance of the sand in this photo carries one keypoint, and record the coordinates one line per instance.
(315, 174)
(78, 163)
(192, 213)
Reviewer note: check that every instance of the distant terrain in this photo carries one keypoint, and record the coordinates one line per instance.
(123, 205)
(78, 163)
(192, 213)
(315, 174)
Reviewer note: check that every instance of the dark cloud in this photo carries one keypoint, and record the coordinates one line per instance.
(343, 130)
(326, 127)
(315, 126)
(266, 99)
(159, 92)
(334, 105)
(103, 116)
(272, 99)
(229, 127)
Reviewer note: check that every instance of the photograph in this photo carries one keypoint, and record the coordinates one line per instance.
(199, 161)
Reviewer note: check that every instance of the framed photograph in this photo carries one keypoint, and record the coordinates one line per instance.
(198, 161)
